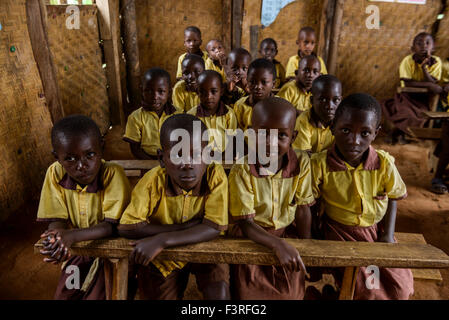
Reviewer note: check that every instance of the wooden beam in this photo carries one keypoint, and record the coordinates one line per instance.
(37, 29)
(324, 253)
(335, 36)
(327, 16)
(425, 133)
(131, 47)
(237, 19)
(226, 24)
(322, 31)
(436, 114)
(109, 24)
(254, 40)
(348, 283)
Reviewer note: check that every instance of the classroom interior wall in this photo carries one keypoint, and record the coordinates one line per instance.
(25, 123)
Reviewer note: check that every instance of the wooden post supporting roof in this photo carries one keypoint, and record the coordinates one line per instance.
(335, 36)
(109, 32)
(37, 29)
(237, 18)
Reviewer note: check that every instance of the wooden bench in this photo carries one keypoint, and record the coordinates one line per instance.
(434, 98)
(315, 253)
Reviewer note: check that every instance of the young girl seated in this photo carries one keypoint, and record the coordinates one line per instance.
(143, 125)
(217, 57)
(192, 44)
(268, 50)
(358, 187)
(422, 70)
(236, 75)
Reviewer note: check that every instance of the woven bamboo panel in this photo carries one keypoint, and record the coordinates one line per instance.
(78, 61)
(442, 36)
(285, 28)
(161, 25)
(25, 150)
(368, 59)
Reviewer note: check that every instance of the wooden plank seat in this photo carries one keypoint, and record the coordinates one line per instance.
(323, 253)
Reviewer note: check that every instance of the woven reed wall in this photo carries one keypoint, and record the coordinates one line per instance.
(285, 28)
(442, 36)
(368, 60)
(77, 56)
(25, 123)
(161, 25)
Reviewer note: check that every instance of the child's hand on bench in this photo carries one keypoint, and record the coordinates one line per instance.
(56, 245)
(288, 256)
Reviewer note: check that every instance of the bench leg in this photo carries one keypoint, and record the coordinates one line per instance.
(348, 285)
(116, 278)
(433, 104)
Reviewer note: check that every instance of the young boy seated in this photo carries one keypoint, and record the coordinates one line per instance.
(192, 43)
(268, 50)
(358, 187)
(270, 202)
(313, 125)
(261, 77)
(298, 92)
(419, 69)
(306, 44)
(180, 202)
(82, 198)
(236, 75)
(185, 95)
(143, 125)
(217, 57)
(217, 116)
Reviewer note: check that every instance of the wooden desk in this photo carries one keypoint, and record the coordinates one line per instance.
(322, 253)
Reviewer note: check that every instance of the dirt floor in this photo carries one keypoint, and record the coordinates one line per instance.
(25, 276)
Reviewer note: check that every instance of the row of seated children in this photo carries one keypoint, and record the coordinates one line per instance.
(182, 202)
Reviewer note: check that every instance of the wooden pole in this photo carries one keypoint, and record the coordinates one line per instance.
(237, 18)
(37, 29)
(335, 36)
(326, 22)
(226, 26)
(109, 32)
(128, 11)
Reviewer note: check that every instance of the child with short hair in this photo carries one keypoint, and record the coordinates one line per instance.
(192, 44)
(419, 69)
(185, 95)
(217, 116)
(261, 77)
(236, 75)
(313, 125)
(268, 206)
(82, 198)
(298, 92)
(306, 44)
(217, 57)
(358, 187)
(180, 202)
(143, 125)
(268, 50)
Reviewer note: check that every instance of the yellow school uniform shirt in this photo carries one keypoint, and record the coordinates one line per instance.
(293, 62)
(280, 74)
(243, 112)
(270, 200)
(210, 65)
(356, 196)
(144, 126)
(104, 199)
(181, 57)
(311, 137)
(183, 99)
(217, 124)
(409, 69)
(299, 98)
(445, 79)
(153, 203)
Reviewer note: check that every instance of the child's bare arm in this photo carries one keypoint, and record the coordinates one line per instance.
(303, 220)
(138, 152)
(147, 249)
(434, 87)
(389, 221)
(148, 230)
(288, 256)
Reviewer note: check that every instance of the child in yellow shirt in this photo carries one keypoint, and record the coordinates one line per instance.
(192, 44)
(217, 116)
(270, 202)
(306, 44)
(185, 95)
(261, 77)
(217, 57)
(82, 198)
(236, 75)
(298, 92)
(358, 187)
(143, 125)
(313, 125)
(268, 50)
(180, 202)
